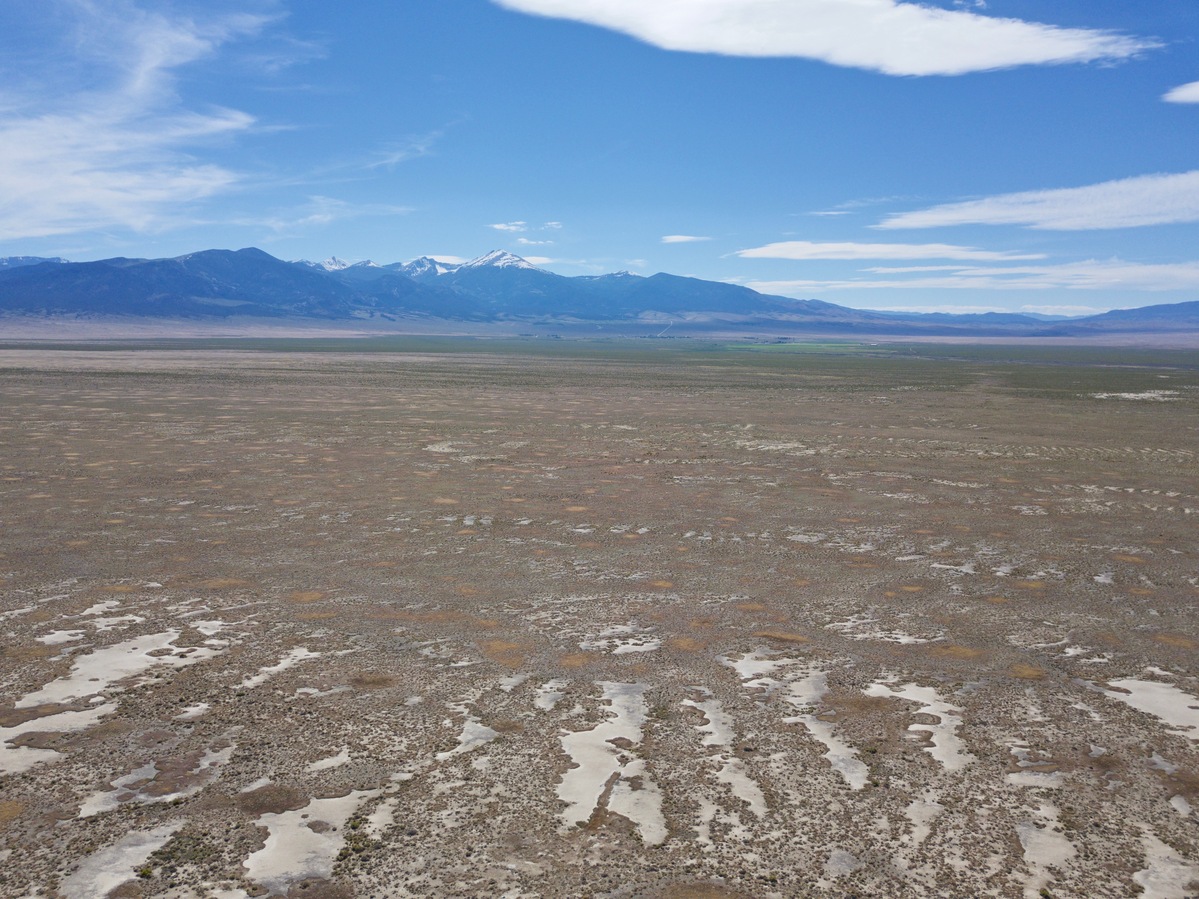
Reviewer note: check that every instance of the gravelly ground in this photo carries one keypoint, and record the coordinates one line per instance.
(491, 624)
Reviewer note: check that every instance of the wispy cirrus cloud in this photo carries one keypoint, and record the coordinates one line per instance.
(684, 238)
(1111, 274)
(1160, 199)
(806, 249)
(316, 212)
(512, 227)
(402, 151)
(96, 135)
(1184, 93)
(889, 36)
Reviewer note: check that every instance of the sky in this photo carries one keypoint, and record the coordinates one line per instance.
(950, 155)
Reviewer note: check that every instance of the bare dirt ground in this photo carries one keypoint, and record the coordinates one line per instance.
(596, 624)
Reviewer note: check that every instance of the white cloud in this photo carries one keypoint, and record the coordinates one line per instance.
(539, 260)
(1184, 93)
(108, 144)
(552, 226)
(511, 226)
(447, 259)
(412, 148)
(525, 242)
(897, 38)
(1111, 274)
(683, 238)
(1127, 203)
(805, 249)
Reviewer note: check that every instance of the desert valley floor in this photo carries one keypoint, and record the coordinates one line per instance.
(627, 621)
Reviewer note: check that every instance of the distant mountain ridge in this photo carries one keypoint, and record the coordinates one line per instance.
(496, 287)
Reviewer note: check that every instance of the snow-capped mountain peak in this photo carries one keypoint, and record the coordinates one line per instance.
(333, 264)
(500, 259)
(425, 267)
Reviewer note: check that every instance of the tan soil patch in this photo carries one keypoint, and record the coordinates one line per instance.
(10, 810)
(504, 652)
(1176, 640)
(577, 659)
(317, 616)
(750, 607)
(686, 644)
(1027, 672)
(782, 636)
(222, 583)
(26, 653)
(305, 596)
(371, 680)
(963, 653)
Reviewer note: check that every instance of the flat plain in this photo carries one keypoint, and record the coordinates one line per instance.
(557, 618)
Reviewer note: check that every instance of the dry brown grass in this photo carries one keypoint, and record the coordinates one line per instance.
(1178, 641)
(303, 597)
(1025, 671)
(959, 653)
(504, 652)
(576, 660)
(10, 810)
(783, 637)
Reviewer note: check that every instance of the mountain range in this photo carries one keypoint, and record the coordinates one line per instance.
(496, 287)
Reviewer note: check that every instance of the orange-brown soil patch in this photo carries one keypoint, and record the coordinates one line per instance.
(504, 652)
(1027, 672)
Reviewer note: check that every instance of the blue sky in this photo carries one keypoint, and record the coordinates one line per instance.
(1012, 154)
